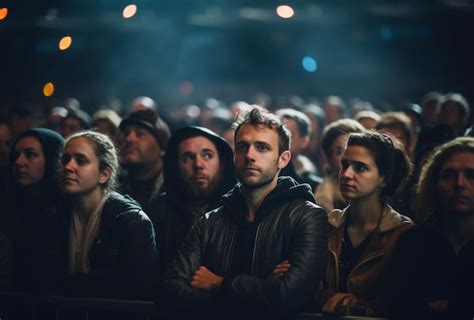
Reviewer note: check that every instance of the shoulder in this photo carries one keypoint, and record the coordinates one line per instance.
(123, 207)
(393, 221)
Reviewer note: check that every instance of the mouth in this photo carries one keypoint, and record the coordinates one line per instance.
(347, 187)
(21, 174)
(69, 180)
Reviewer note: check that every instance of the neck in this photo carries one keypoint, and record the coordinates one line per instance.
(254, 197)
(143, 173)
(366, 212)
(85, 204)
(461, 229)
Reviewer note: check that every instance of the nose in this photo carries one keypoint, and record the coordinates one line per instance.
(199, 162)
(20, 160)
(130, 136)
(250, 154)
(461, 179)
(346, 172)
(69, 166)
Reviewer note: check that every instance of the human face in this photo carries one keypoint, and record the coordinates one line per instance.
(199, 166)
(5, 143)
(140, 148)
(256, 157)
(298, 142)
(359, 177)
(451, 115)
(337, 148)
(80, 172)
(69, 126)
(28, 167)
(456, 183)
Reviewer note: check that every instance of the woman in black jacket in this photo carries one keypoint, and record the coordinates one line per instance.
(32, 197)
(110, 247)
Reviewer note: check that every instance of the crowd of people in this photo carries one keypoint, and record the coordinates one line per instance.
(245, 211)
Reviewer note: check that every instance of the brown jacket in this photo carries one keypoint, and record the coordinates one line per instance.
(365, 283)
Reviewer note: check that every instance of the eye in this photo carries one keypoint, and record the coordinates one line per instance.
(469, 174)
(448, 174)
(81, 160)
(208, 155)
(241, 147)
(359, 167)
(65, 159)
(262, 147)
(187, 157)
(344, 165)
(31, 154)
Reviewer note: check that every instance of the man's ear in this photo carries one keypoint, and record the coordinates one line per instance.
(305, 143)
(284, 159)
(105, 175)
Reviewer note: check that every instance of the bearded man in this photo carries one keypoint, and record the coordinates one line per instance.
(198, 169)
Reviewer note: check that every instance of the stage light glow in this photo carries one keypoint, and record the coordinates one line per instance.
(309, 64)
(129, 11)
(3, 13)
(285, 11)
(65, 42)
(48, 89)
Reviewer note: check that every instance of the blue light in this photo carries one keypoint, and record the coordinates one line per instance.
(386, 33)
(309, 64)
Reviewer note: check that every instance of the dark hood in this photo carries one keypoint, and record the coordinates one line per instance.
(287, 189)
(170, 162)
(52, 143)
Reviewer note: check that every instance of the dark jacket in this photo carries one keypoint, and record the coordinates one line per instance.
(173, 213)
(122, 258)
(29, 208)
(289, 226)
(427, 269)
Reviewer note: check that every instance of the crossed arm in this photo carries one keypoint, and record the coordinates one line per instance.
(205, 279)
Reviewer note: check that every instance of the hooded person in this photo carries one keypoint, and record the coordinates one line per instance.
(33, 195)
(198, 169)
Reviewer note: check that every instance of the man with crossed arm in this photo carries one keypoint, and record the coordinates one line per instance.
(261, 253)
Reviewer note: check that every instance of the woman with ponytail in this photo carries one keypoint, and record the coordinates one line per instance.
(365, 233)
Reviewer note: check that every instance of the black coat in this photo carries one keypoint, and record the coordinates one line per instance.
(122, 258)
(288, 226)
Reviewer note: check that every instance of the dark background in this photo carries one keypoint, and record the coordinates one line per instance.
(386, 52)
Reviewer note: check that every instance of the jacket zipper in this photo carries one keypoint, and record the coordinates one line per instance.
(229, 252)
(254, 249)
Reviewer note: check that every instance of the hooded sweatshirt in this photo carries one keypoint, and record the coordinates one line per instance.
(173, 213)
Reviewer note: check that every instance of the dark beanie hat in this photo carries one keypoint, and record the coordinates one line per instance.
(151, 121)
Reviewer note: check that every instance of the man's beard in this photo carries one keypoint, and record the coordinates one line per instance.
(265, 179)
(199, 193)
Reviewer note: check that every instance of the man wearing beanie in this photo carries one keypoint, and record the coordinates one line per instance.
(144, 139)
(198, 169)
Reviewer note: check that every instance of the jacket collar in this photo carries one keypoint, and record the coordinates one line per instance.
(390, 218)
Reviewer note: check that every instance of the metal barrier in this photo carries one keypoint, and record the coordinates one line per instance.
(83, 307)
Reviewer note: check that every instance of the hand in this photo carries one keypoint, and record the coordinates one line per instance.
(281, 269)
(204, 279)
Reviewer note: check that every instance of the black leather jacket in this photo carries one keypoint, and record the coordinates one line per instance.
(289, 227)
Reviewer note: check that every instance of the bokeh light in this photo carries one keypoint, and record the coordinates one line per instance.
(285, 11)
(129, 11)
(3, 13)
(48, 89)
(65, 42)
(309, 64)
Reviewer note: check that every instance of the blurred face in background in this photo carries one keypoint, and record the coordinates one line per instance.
(28, 168)
(456, 183)
(5, 144)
